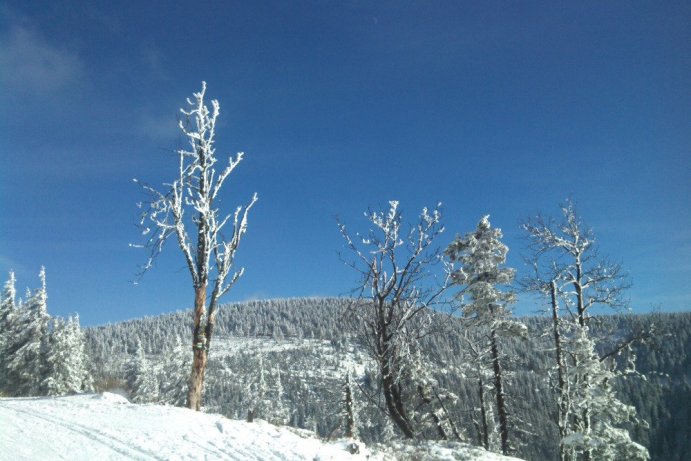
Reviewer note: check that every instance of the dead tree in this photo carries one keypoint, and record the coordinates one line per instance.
(186, 211)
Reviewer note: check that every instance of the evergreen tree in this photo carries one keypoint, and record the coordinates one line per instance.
(255, 391)
(482, 256)
(349, 409)
(7, 317)
(173, 383)
(279, 413)
(141, 381)
(65, 362)
(26, 349)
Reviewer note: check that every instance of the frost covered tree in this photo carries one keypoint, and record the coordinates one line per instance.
(65, 361)
(279, 413)
(256, 390)
(141, 380)
(569, 271)
(596, 432)
(173, 381)
(25, 366)
(350, 420)
(7, 314)
(397, 287)
(430, 411)
(487, 283)
(187, 212)
(567, 253)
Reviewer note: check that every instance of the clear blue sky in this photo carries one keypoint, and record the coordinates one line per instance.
(503, 108)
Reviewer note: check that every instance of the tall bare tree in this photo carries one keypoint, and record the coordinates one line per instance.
(397, 286)
(569, 271)
(586, 278)
(186, 211)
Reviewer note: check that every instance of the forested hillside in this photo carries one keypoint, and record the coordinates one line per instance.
(291, 361)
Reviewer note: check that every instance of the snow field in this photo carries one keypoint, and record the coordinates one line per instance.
(108, 427)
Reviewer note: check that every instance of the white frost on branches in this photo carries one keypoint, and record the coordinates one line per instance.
(396, 289)
(190, 200)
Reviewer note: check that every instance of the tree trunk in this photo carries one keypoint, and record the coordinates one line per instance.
(454, 429)
(578, 287)
(349, 414)
(501, 404)
(427, 400)
(196, 382)
(394, 405)
(561, 382)
(199, 347)
(388, 367)
(483, 415)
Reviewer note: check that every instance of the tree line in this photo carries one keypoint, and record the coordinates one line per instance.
(316, 359)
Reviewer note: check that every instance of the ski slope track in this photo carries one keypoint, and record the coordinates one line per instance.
(108, 427)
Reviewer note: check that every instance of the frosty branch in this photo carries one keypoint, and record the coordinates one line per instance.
(396, 289)
(187, 208)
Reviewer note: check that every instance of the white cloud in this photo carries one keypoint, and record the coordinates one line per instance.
(8, 264)
(158, 127)
(30, 64)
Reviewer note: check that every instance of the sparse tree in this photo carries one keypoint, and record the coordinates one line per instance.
(568, 269)
(187, 211)
(567, 253)
(396, 289)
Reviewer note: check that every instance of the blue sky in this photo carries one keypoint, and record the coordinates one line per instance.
(504, 108)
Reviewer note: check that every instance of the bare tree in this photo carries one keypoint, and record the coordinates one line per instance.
(548, 287)
(396, 289)
(569, 271)
(186, 210)
(585, 278)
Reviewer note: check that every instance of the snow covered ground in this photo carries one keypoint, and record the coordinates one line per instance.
(108, 427)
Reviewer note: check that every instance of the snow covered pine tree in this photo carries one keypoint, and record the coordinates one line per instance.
(482, 256)
(25, 348)
(66, 370)
(8, 310)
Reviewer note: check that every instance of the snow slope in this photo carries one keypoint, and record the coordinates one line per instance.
(108, 427)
